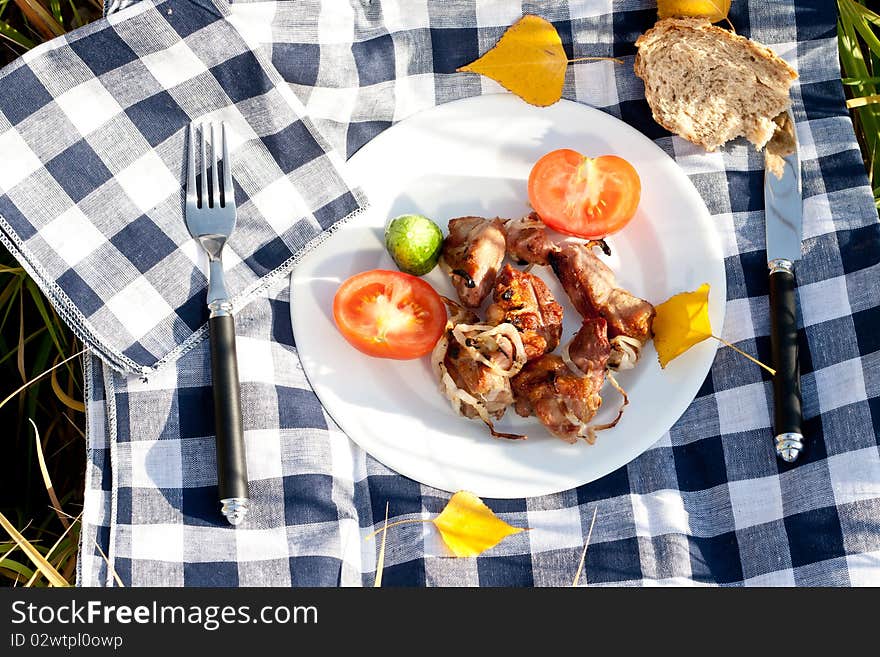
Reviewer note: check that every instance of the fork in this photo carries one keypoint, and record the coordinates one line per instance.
(210, 218)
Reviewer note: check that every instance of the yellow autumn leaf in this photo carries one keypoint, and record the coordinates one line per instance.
(681, 322)
(714, 10)
(528, 60)
(469, 527)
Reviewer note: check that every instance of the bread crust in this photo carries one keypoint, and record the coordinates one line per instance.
(746, 84)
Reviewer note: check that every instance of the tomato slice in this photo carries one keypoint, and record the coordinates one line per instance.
(584, 196)
(389, 314)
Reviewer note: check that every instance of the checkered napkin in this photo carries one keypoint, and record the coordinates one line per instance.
(708, 504)
(92, 135)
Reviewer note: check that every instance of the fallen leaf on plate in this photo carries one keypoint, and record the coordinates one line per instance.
(714, 10)
(469, 527)
(683, 321)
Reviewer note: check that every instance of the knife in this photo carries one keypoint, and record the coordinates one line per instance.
(783, 207)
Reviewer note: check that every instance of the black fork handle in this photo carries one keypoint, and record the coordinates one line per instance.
(232, 475)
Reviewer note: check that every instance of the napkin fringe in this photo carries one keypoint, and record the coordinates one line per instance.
(63, 305)
(242, 299)
(83, 330)
(113, 444)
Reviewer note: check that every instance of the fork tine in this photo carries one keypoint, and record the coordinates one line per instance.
(228, 189)
(206, 192)
(191, 191)
(215, 177)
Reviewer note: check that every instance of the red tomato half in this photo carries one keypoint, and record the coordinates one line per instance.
(389, 314)
(584, 196)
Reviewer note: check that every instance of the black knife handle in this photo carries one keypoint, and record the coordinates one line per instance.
(232, 479)
(788, 418)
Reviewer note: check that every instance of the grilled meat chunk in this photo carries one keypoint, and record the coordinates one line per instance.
(523, 299)
(593, 290)
(472, 255)
(592, 353)
(474, 363)
(490, 389)
(561, 400)
(590, 349)
(527, 240)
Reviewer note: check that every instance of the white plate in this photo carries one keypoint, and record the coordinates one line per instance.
(473, 157)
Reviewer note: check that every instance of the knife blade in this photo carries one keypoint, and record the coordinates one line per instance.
(783, 208)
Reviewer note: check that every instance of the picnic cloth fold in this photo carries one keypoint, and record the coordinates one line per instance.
(91, 201)
(708, 504)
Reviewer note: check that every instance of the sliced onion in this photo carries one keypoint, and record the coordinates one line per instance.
(618, 388)
(457, 396)
(588, 433)
(458, 313)
(592, 430)
(573, 419)
(438, 355)
(628, 349)
(566, 358)
(484, 331)
(447, 384)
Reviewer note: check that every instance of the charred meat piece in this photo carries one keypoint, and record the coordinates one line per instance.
(472, 255)
(563, 402)
(478, 380)
(590, 349)
(592, 354)
(474, 364)
(593, 290)
(528, 242)
(523, 299)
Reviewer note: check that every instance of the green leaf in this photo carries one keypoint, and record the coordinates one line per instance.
(11, 303)
(55, 8)
(860, 23)
(11, 352)
(855, 65)
(868, 15)
(38, 17)
(11, 34)
(40, 365)
(10, 568)
(850, 50)
(48, 319)
(849, 82)
(8, 297)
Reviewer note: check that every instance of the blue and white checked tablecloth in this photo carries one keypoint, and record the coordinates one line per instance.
(91, 136)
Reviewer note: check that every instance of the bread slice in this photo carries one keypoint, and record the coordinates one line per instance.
(710, 85)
